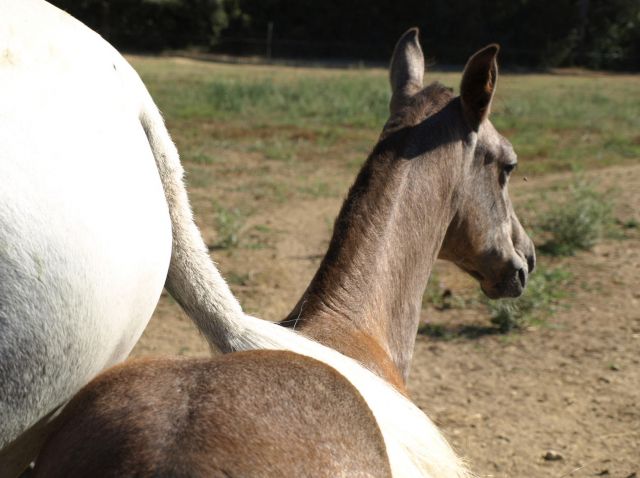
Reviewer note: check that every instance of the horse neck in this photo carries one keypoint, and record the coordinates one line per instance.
(366, 296)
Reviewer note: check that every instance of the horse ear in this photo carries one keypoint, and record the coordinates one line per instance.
(479, 84)
(407, 68)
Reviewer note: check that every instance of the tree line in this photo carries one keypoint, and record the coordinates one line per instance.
(603, 34)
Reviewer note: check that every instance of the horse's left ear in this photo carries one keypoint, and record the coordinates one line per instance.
(479, 84)
(407, 69)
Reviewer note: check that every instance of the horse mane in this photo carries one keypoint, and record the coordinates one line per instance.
(419, 107)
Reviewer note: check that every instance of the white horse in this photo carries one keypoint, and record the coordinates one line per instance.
(94, 221)
(90, 189)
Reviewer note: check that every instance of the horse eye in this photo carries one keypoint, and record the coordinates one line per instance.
(508, 168)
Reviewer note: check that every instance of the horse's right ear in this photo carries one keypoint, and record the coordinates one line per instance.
(407, 69)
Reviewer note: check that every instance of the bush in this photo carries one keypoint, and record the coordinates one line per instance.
(578, 223)
(440, 297)
(228, 225)
(540, 298)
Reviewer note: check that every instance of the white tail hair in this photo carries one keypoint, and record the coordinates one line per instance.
(414, 445)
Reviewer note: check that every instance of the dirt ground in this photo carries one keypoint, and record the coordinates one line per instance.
(569, 389)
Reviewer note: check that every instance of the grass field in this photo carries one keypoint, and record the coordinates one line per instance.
(556, 122)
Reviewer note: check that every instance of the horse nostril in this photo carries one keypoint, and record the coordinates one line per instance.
(531, 262)
(522, 277)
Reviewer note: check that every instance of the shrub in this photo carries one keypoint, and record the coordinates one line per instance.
(540, 298)
(578, 223)
(440, 297)
(228, 225)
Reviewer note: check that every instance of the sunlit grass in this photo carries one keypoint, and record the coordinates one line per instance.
(560, 122)
(578, 222)
(541, 297)
(300, 115)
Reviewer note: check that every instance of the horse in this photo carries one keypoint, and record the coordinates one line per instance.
(435, 185)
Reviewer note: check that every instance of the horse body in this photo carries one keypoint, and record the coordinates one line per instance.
(434, 185)
(85, 234)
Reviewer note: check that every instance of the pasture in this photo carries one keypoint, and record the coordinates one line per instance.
(270, 153)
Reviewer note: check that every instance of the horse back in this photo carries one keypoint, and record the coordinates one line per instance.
(258, 413)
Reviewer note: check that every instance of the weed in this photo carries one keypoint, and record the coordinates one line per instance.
(433, 293)
(228, 225)
(441, 298)
(199, 158)
(546, 287)
(507, 316)
(629, 223)
(199, 176)
(317, 190)
(236, 278)
(436, 331)
(579, 222)
(277, 149)
(263, 228)
(553, 121)
(268, 187)
(257, 237)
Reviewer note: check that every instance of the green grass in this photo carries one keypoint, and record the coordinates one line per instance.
(541, 297)
(630, 224)
(545, 292)
(236, 278)
(276, 95)
(441, 298)
(556, 122)
(229, 221)
(578, 222)
(560, 122)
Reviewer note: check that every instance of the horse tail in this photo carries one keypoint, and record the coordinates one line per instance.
(414, 445)
(193, 279)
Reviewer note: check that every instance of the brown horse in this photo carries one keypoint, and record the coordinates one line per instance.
(434, 185)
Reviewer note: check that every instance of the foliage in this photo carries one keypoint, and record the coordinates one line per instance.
(630, 224)
(555, 122)
(441, 298)
(578, 222)
(564, 121)
(593, 33)
(540, 298)
(611, 35)
(152, 25)
(228, 225)
(349, 99)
